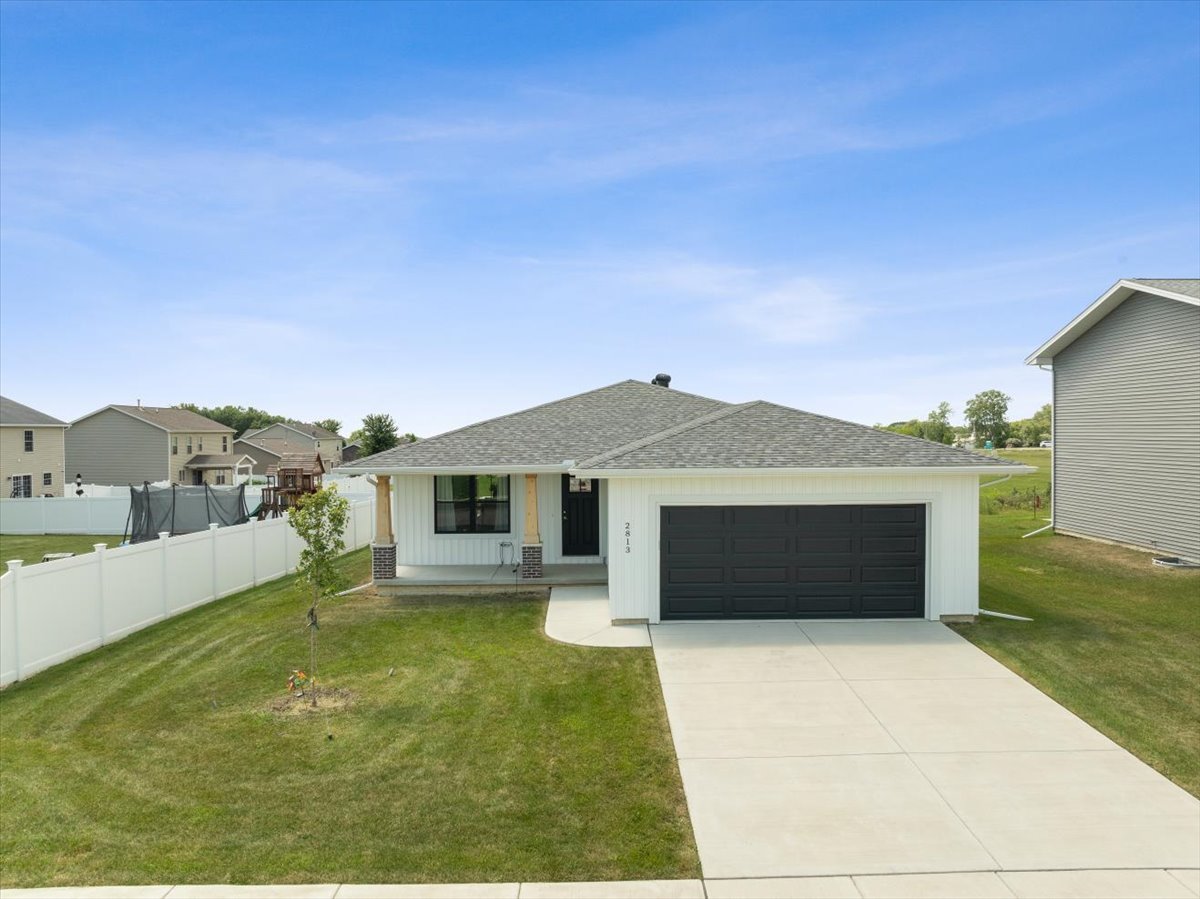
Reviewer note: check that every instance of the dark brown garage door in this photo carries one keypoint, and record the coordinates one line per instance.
(792, 562)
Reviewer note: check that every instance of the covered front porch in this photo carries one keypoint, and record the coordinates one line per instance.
(496, 528)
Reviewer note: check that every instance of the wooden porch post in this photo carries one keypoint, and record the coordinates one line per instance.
(531, 541)
(383, 550)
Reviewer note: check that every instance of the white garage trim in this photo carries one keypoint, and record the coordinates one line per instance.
(951, 530)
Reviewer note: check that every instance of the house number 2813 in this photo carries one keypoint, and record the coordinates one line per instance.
(628, 532)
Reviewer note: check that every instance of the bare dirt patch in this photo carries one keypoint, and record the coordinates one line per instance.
(329, 699)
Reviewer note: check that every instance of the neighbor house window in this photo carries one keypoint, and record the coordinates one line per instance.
(470, 504)
(47, 479)
(200, 445)
(224, 444)
(189, 444)
(220, 477)
(29, 441)
(174, 446)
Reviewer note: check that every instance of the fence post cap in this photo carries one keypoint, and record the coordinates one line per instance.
(212, 525)
(14, 564)
(163, 535)
(99, 547)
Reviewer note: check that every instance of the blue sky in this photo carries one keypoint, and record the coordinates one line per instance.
(450, 211)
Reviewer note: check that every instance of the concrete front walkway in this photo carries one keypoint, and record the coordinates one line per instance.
(880, 748)
(580, 615)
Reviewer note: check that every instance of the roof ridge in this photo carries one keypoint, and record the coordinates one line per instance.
(488, 421)
(649, 440)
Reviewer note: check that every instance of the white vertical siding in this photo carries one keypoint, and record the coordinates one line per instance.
(952, 561)
(417, 544)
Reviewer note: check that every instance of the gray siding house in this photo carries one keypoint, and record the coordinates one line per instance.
(1126, 425)
(131, 444)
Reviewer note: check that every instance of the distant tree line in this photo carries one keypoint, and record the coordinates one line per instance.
(986, 416)
(378, 431)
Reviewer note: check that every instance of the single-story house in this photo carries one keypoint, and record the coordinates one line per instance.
(32, 451)
(1126, 417)
(691, 508)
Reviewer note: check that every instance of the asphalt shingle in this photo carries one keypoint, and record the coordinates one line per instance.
(635, 425)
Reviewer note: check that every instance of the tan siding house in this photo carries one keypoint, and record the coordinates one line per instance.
(32, 457)
(132, 444)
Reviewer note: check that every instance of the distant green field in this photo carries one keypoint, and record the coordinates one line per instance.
(1114, 638)
(31, 548)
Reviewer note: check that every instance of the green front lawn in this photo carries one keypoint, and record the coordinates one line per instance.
(490, 753)
(31, 548)
(1114, 638)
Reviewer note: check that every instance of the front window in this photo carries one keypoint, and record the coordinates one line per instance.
(29, 441)
(470, 504)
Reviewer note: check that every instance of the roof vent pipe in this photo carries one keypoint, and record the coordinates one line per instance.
(661, 380)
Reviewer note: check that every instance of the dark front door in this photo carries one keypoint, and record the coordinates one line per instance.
(792, 562)
(581, 516)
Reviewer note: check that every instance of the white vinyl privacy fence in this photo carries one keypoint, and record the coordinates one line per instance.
(53, 611)
(105, 510)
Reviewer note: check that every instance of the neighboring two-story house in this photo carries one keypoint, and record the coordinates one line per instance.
(1126, 421)
(268, 445)
(31, 451)
(132, 444)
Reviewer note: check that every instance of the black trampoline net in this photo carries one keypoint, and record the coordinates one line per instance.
(182, 510)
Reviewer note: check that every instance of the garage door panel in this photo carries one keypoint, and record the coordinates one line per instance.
(792, 561)
(759, 516)
(710, 575)
(773, 606)
(893, 604)
(695, 606)
(904, 544)
(890, 514)
(759, 574)
(761, 545)
(891, 574)
(695, 516)
(839, 575)
(695, 546)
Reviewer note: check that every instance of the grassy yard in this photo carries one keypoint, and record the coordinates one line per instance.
(1114, 638)
(491, 753)
(31, 548)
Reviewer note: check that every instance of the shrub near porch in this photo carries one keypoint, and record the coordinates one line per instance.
(490, 754)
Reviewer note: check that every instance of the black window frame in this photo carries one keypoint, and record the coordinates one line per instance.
(473, 501)
(47, 479)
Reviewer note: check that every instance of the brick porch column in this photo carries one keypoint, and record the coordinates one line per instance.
(531, 542)
(383, 549)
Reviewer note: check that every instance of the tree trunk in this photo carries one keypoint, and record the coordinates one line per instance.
(312, 648)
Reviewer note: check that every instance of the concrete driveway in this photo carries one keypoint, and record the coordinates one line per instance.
(862, 748)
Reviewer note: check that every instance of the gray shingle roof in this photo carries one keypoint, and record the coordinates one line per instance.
(14, 413)
(637, 426)
(573, 428)
(171, 419)
(765, 435)
(1189, 287)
